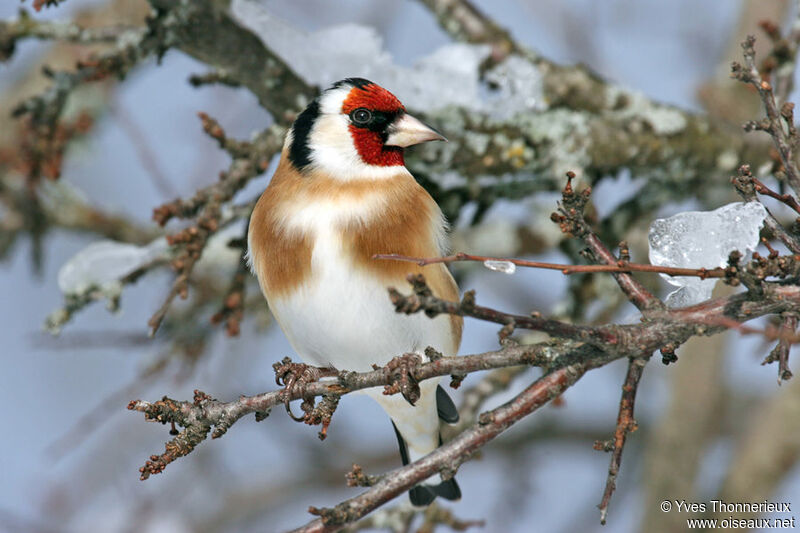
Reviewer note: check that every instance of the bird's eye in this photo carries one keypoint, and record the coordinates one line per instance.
(361, 116)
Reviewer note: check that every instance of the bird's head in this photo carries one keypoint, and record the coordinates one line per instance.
(355, 129)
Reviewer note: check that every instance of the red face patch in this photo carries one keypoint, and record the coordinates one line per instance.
(369, 143)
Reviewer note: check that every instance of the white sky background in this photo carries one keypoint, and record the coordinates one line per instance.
(664, 49)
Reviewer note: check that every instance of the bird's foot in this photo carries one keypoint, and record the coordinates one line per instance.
(400, 376)
(321, 413)
(294, 377)
(289, 375)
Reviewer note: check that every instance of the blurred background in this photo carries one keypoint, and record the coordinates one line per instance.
(70, 451)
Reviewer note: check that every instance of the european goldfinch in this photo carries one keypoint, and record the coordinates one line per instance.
(341, 193)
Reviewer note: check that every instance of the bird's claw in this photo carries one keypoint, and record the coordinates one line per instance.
(400, 373)
(288, 375)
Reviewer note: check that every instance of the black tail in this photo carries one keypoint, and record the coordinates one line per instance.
(423, 495)
(449, 490)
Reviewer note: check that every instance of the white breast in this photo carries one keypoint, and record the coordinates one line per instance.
(342, 317)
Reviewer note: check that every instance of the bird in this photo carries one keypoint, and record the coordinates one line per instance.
(340, 194)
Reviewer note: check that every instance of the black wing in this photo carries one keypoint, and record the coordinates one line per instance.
(445, 406)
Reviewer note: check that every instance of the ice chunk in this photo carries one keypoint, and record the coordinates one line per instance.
(506, 267)
(703, 239)
(104, 263)
(449, 76)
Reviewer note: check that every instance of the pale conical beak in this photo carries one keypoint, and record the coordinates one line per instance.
(407, 130)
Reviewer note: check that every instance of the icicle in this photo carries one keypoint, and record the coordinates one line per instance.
(506, 267)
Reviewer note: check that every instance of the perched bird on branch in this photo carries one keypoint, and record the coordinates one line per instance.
(340, 195)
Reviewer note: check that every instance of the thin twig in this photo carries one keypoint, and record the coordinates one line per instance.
(779, 122)
(572, 222)
(620, 267)
(625, 425)
(787, 199)
(422, 299)
(745, 184)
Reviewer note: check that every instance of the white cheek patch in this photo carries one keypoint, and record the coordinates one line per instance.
(333, 152)
(331, 143)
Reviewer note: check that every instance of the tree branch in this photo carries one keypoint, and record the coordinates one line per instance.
(625, 425)
(473, 398)
(209, 34)
(26, 26)
(200, 415)
(451, 455)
